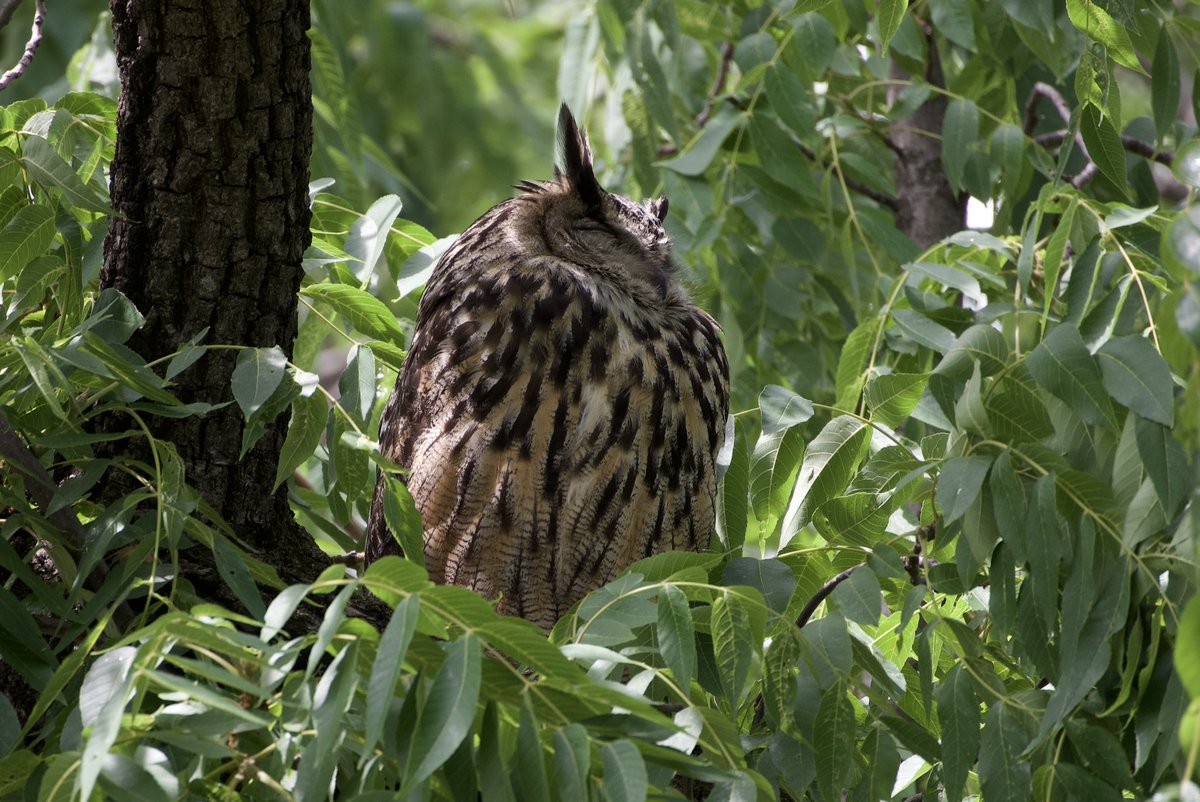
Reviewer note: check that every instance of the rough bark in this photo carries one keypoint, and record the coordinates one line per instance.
(927, 208)
(210, 192)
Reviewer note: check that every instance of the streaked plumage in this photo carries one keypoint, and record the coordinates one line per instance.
(563, 400)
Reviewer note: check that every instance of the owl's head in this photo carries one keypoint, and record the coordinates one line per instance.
(600, 231)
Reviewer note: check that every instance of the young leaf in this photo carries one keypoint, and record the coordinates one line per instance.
(852, 364)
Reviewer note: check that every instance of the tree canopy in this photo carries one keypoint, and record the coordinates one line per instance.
(954, 246)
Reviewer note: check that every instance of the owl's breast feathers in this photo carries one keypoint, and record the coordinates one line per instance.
(555, 430)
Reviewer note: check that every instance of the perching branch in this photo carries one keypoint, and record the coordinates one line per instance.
(35, 38)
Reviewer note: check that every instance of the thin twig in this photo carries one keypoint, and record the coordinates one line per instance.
(35, 39)
(852, 183)
(718, 84)
(823, 594)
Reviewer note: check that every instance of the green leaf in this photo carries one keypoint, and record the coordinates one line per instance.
(1104, 146)
(448, 713)
(1007, 150)
(782, 156)
(365, 312)
(960, 132)
(1165, 462)
(733, 493)
(676, 635)
(733, 646)
(1186, 167)
(852, 364)
(1098, 24)
(1003, 774)
(860, 598)
(791, 100)
(256, 376)
(385, 670)
(835, 722)
(1018, 415)
(953, 19)
(309, 416)
(1165, 83)
(27, 236)
(959, 482)
(572, 761)
(368, 234)
(699, 153)
(49, 170)
(980, 343)
(855, 519)
(829, 651)
(102, 698)
(781, 408)
(924, 331)
(624, 772)
(1043, 540)
(1136, 375)
(529, 777)
(779, 680)
(892, 396)
(770, 577)
(1187, 648)
(958, 711)
(891, 14)
(825, 470)
(772, 468)
(1061, 364)
(403, 519)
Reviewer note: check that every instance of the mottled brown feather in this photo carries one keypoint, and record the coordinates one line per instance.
(562, 402)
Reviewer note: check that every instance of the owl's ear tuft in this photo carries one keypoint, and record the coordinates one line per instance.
(575, 158)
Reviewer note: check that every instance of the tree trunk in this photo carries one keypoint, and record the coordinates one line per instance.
(928, 209)
(210, 192)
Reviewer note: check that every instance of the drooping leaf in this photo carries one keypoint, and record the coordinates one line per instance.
(1136, 375)
(448, 712)
(1061, 364)
(676, 635)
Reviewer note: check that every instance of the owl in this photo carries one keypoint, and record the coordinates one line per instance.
(563, 401)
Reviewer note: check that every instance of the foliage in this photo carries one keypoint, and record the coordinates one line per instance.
(973, 461)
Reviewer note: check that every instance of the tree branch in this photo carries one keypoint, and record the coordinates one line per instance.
(35, 39)
(718, 84)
